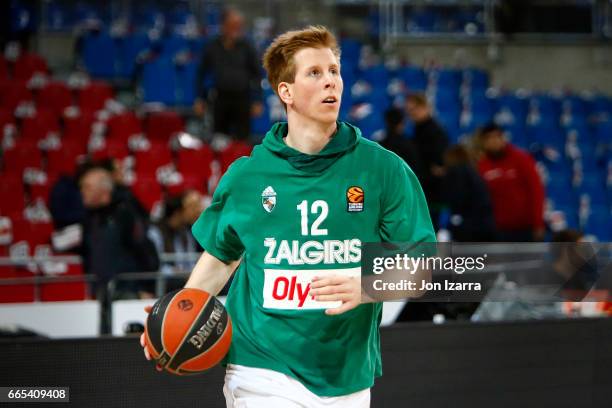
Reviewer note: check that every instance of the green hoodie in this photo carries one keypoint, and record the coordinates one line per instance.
(292, 216)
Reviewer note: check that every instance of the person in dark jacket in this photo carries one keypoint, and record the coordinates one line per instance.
(235, 68)
(467, 198)
(395, 139)
(114, 234)
(430, 141)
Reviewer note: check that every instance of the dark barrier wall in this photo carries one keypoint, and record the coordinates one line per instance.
(530, 364)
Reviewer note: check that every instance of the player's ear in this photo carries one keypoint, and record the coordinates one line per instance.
(285, 93)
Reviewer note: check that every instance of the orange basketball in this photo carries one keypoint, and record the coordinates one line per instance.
(188, 331)
(355, 195)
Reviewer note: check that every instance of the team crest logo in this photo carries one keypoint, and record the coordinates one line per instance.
(268, 199)
(354, 199)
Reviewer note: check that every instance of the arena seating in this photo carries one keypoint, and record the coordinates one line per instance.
(47, 129)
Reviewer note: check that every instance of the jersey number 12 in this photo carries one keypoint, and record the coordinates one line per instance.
(318, 207)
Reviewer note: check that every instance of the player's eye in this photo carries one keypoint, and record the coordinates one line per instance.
(334, 71)
(314, 72)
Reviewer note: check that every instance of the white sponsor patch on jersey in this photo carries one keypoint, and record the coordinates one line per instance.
(289, 289)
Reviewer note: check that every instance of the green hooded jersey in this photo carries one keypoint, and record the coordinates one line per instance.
(293, 216)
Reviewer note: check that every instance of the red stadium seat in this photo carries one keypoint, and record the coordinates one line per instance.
(65, 291)
(123, 126)
(38, 126)
(55, 96)
(29, 64)
(64, 160)
(4, 70)
(6, 118)
(11, 191)
(34, 233)
(158, 155)
(41, 190)
(148, 191)
(12, 93)
(94, 96)
(15, 292)
(78, 128)
(24, 154)
(113, 149)
(195, 162)
(190, 182)
(162, 125)
(234, 151)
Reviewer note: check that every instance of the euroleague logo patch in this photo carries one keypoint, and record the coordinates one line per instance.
(185, 305)
(354, 199)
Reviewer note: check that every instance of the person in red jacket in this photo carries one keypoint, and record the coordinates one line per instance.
(515, 186)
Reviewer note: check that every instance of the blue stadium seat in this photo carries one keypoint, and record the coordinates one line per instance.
(173, 44)
(447, 78)
(602, 104)
(414, 78)
(449, 120)
(517, 135)
(516, 105)
(546, 136)
(351, 49)
(599, 223)
(128, 50)
(546, 104)
(479, 102)
(186, 83)
(371, 122)
(377, 76)
(576, 105)
(99, 55)
(603, 132)
(154, 88)
(476, 78)
(446, 99)
(594, 186)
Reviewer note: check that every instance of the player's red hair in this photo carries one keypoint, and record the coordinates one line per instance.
(278, 59)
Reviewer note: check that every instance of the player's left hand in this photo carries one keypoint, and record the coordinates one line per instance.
(337, 288)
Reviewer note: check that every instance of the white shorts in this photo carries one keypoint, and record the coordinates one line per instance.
(248, 387)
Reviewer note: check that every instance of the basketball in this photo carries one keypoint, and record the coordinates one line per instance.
(355, 195)
(188, 331)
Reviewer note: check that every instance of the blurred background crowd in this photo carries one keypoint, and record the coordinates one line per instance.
(117, 119)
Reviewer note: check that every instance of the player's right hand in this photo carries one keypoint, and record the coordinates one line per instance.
(143, 342)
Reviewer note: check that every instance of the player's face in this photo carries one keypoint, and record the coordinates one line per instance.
(317, 88)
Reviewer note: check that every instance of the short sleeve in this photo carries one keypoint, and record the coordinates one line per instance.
(213, 229)
(404, 213)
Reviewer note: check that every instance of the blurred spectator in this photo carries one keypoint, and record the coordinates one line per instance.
(430, 141)
(172, 235)
(515, 186)
(114, 235)
(467, 196)
(235, 68)
(574, 263)
(394, 139)
(115, 167)
(65, 203)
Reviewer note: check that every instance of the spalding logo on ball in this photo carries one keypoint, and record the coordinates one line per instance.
(188, 331)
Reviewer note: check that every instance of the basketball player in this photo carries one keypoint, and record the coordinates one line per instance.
(290, 221)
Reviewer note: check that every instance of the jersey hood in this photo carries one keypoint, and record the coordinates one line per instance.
(343, 141)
